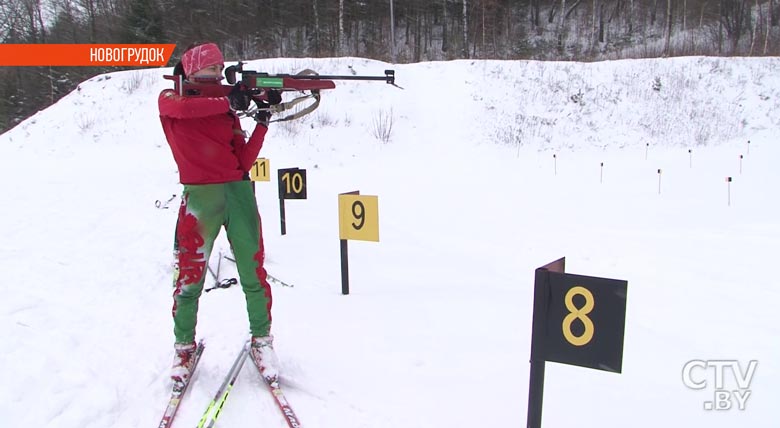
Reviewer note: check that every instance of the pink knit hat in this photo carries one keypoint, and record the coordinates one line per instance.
(200, 57)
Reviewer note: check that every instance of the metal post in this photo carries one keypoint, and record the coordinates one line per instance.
(601, 174)
(535, 394)
(728, 184)
(344, 268)
(538, 351)
(282, 219)
(536, 375)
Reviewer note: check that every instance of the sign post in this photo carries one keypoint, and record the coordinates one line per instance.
(292, 185)
(358, 220)
(577, 320)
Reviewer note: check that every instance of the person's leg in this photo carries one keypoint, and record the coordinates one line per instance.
(200, 217)
(244, 231)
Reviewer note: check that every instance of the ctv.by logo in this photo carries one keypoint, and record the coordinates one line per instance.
(696, 375)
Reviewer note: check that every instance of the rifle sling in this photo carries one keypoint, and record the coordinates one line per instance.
(290, 104)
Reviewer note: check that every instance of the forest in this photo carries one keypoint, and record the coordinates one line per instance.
(396, 31)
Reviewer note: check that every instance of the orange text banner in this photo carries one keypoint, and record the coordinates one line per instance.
(146, 55)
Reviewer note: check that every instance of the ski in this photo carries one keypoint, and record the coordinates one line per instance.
(215, 406)
(284, 405)
(281, 401)
(178, 392)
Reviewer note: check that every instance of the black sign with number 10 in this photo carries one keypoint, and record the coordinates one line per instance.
(292, 183)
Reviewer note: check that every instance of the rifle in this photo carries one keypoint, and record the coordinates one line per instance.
(256, 84)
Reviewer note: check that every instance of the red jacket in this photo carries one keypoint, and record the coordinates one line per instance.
(206, 138)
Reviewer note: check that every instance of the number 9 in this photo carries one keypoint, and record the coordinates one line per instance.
(359, 215)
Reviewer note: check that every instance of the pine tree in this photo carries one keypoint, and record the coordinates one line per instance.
(144, 23)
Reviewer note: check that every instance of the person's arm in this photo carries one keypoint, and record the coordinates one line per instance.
(179, 107)
(247, 151)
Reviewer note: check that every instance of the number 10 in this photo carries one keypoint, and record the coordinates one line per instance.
(294, 184)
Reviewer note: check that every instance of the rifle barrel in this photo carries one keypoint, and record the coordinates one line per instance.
(389, 77)
(333, 77)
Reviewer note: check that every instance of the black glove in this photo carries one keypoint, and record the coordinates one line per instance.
(274, 97)
(239, 98)
(262, 115)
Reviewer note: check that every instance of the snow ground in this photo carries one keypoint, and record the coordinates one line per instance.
(436, 330)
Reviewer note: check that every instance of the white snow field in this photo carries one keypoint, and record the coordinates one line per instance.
(492, 169)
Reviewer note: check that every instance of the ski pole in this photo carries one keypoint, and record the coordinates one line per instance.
(277, 280)
(269, 277)
(164, 205)
(225, 283)
(224, 390)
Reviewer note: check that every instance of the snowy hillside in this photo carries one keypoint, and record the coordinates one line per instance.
(493, 169)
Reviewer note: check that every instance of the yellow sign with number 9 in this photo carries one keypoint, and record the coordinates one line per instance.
(359, 217)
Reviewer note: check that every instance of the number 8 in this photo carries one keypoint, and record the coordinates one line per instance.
(578, 313)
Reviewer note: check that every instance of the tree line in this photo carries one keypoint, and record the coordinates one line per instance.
(399, 31)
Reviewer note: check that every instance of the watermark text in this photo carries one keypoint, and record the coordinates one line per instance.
(729, 380)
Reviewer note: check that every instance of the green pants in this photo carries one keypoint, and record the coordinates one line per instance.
(205, 208)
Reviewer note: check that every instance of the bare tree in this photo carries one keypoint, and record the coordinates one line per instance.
(653, 12)
(444, 40)
(34, 23)
(465, 29)
(342, 36)
(561, 27)
(9, 21)
(535, 8)
(733, 18)
(316, 13)
(90, 8)
(754, 29)
(768, 28)
(669, 23)
(482, 3)
(593, 27)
